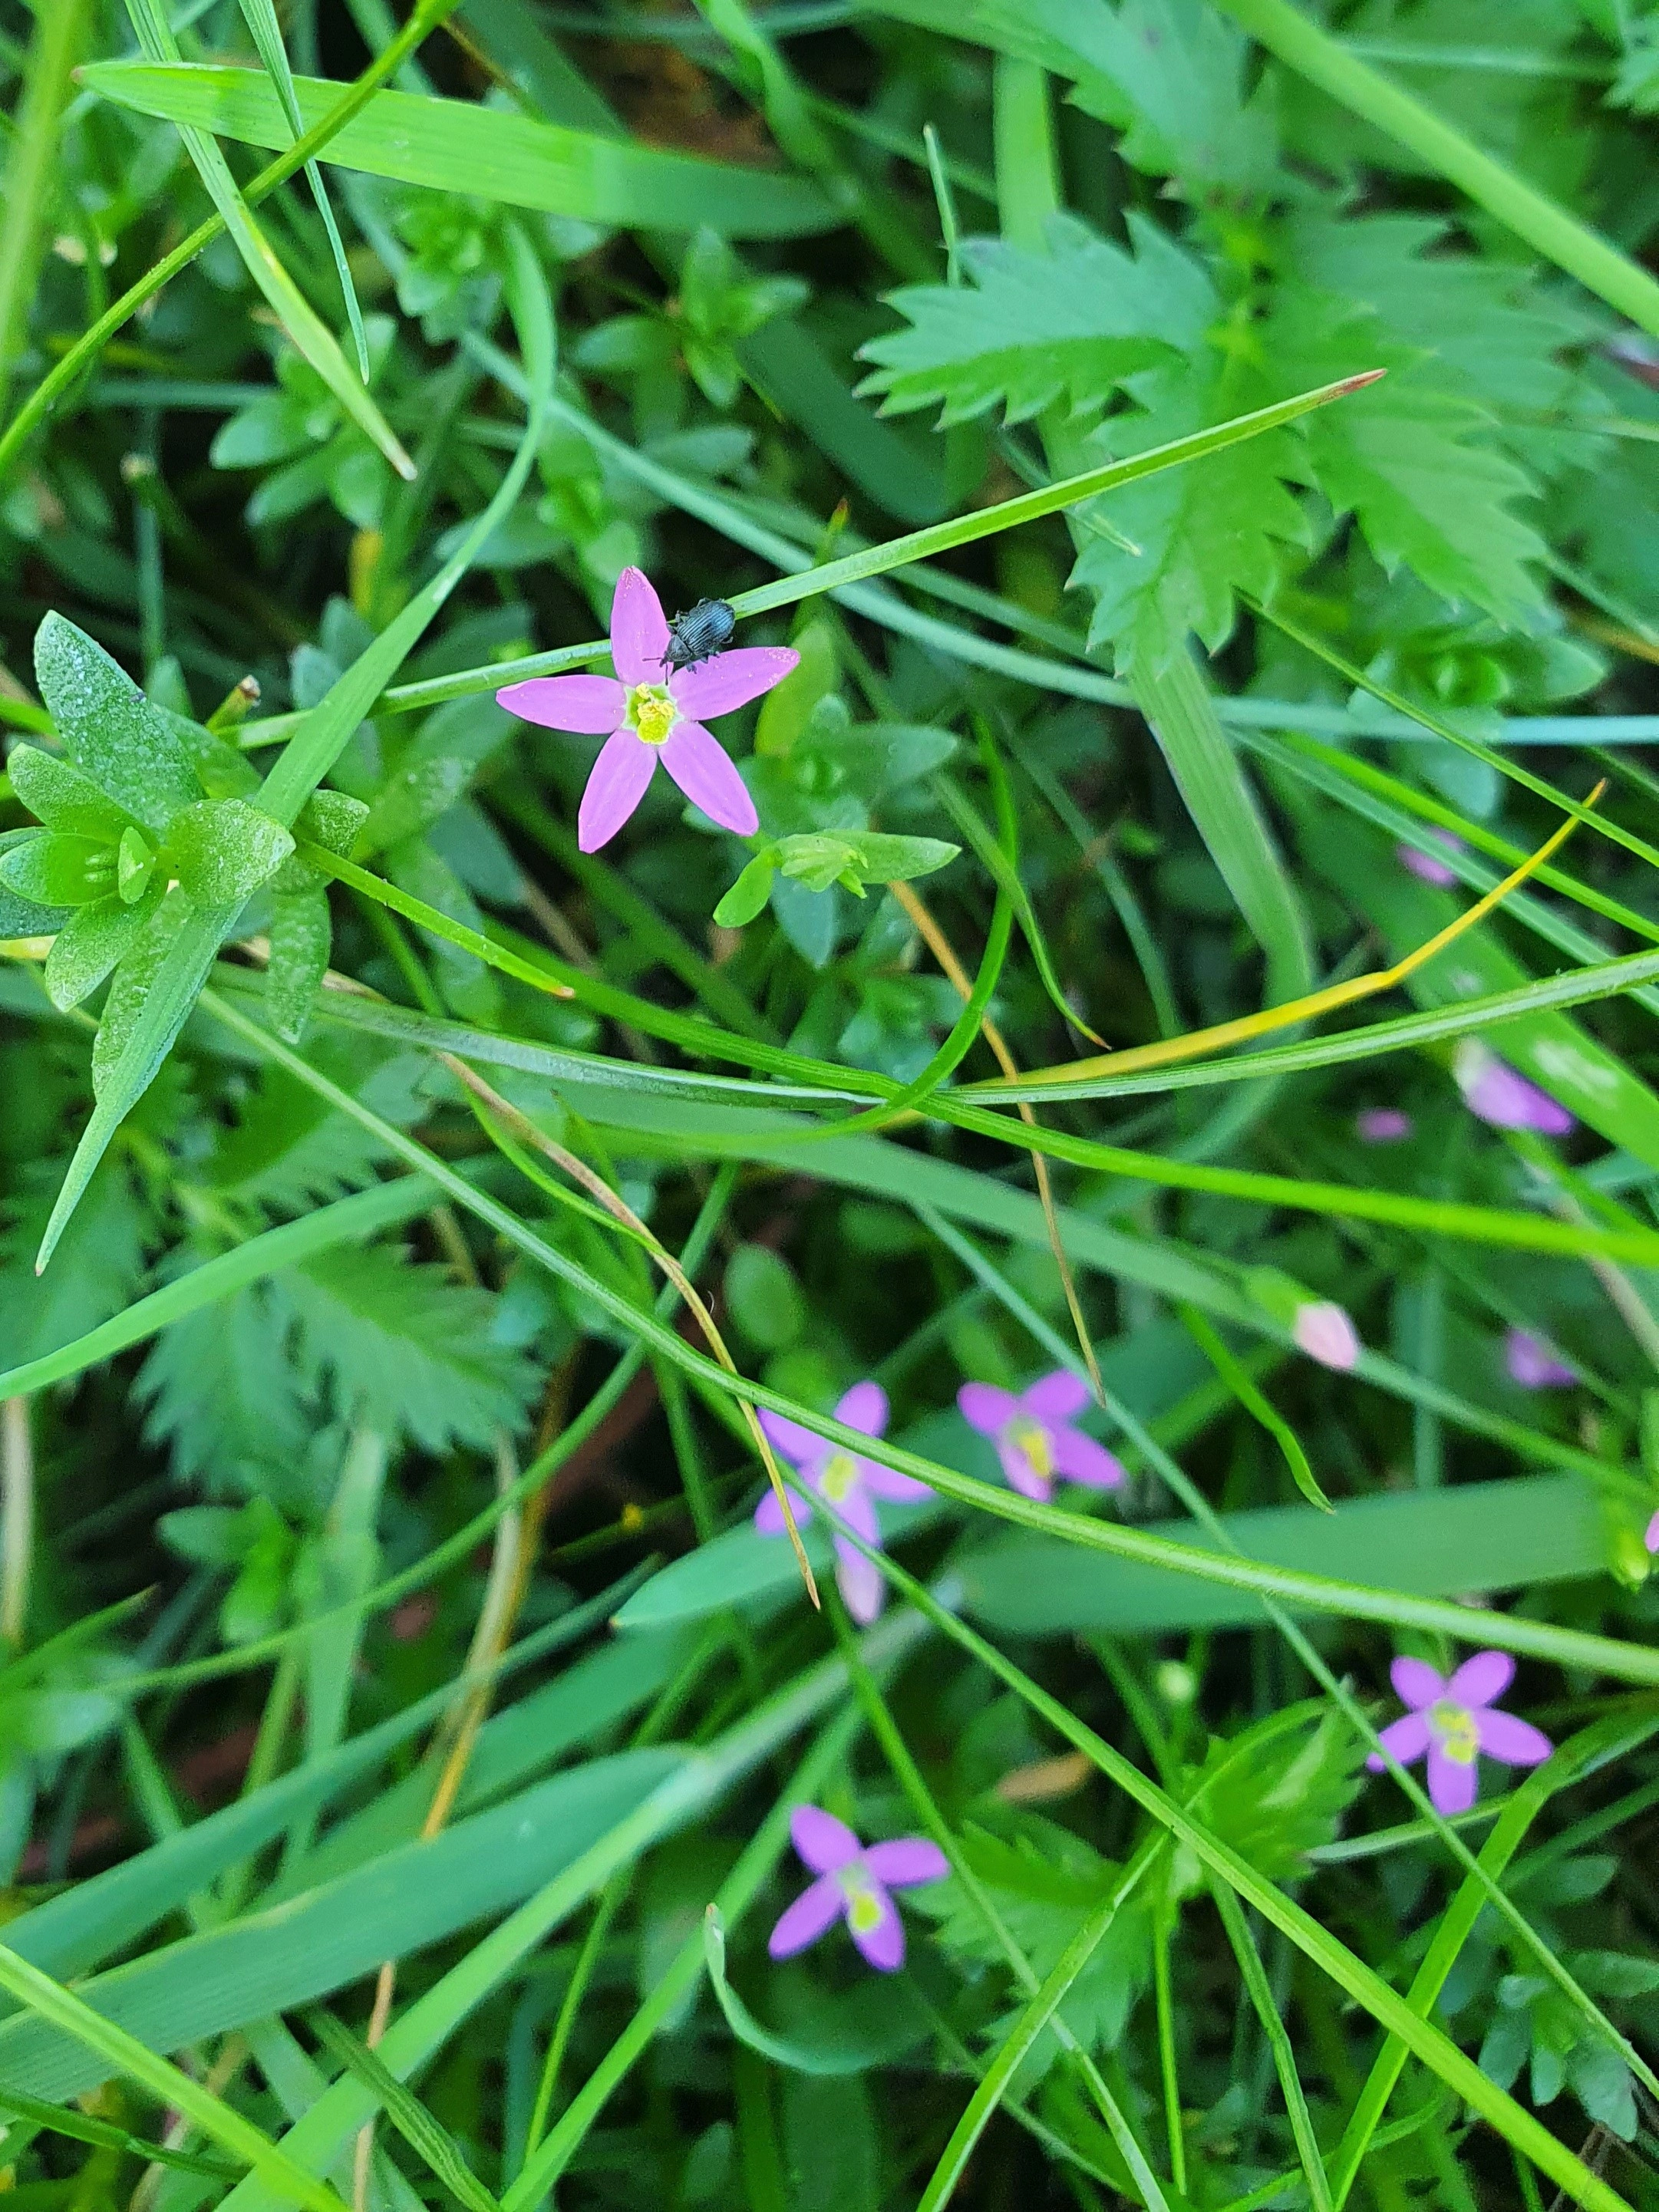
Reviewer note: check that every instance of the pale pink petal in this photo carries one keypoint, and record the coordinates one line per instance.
(1325, 1333)
(887, 1482)
(806, 1920)
(985, 1408)
(1481, 1681)
(1453, 1783)
(768, 1514)
(1516, 1742)
(1021, 1474)
(1530, 1363)
(594, 704)
(1382, 1125)
(1424, 865)
(1416, 1683)
(789, 1437)
(1080, 1459)
(730, 680)
(865, 1408)
(615, 786)
(1652, 1540)
(638, 630)
(1056, 1397)
(1495, 1094)
(857, 1510)
(703, 770)
(861, 1583)
(906, 1861)
(822, 1842)
(883, 1946)
(1407, 1739)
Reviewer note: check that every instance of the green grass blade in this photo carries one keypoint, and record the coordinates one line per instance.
(81, 2127)
(1267, 2011)
(429, 2140)
(31, 168)
(260, 16)
(455, 146)
(1257, 1405)
(121, 2053)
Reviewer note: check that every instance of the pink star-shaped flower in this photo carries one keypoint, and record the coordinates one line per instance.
(650, 713)
(850, 1484)
(853, 1884)
(1453, 1720)
(1034, 1435)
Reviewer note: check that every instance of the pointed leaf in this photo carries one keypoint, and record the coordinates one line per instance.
(222, 849)
(91, 942)
(129, 747)
(62, 796)
(301, 939)
(55, 869)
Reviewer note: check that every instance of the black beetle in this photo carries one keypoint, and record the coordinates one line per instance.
(700, 634)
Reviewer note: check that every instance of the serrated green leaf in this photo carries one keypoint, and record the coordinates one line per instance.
(409, 1350)
(129, 747)
(62, 796)
(222, 849)
(53, 868)
(1172, 75)
(1030, 328)
(221, 1391)
(103, 1264)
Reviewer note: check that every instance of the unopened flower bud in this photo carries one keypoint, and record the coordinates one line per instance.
(1324, 1332)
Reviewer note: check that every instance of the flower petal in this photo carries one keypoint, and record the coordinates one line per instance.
(1529, 1362)
(1021, 1475)
(1325, 1333)
(883, 1946)
(1407, 1739)
(1652, 1540)
(639, 629)
(1516, 1742)
(594, 704)
(906, 1861)
(704, 773)
(730, 680)
(861, 1582)
(984, 1407)
(1483, 1680)
(1080, 1459)
(1495, 1094)
(815, 1909)
(614, 788)
(1416, 1683)
(768, 1514)
(865, 1408)
(822, 1842)
(789, 1437)
(1452, 1782)
(1056, 1397)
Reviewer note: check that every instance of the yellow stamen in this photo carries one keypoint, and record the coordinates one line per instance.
(1031, 1438)
(652, 711)
(839, 1478)
(1455, 1732)
(864, 1913)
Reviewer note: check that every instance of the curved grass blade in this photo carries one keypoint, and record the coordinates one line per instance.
(1256, 1403)
(260, 16)
(1272, 2027)
(826, 2053)
(426, 2136)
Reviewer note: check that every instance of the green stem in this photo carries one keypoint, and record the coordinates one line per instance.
(1313, 53)
(31, 173)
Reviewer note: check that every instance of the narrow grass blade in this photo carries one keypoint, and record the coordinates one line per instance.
(1256, 1403)
(1267, 2011)
(826, 2053)
(429, 2140)
(81, 2127)
(31, 166)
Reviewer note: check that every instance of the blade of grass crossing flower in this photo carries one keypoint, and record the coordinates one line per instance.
(303, 763)
(48, 2000)
(1592, 1746)
(426, 2136)
(287, 303)
(62, 378)
(260, 15)
(1255, 1404)
(1261, 1997)
(1325, 60)
(1425, 2042)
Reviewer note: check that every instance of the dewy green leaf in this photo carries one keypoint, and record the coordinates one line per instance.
(129, 747)
(222, 849)
(453, 146)
(62, 796)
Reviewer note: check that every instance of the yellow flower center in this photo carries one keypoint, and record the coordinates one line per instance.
(652, 712)
(863, 1912)
(1455, 1732)
(1030, 1437)
(839, 1478)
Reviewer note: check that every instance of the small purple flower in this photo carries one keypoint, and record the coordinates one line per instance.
(853, 1885)
(1530, 1363)
(1322, 1329)
(847, 1484)
(1652, 1538)
(1453, 1720)
(1494, 1093)
(1382, 1125)
(1424, 865)
(1033, 1436)
(645, 713)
